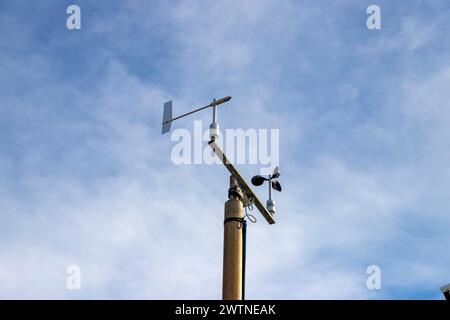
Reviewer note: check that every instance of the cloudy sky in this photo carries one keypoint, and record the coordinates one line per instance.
(87, 179)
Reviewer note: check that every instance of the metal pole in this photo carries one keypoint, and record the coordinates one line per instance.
(232, 247)
(214, 111)
(270, 189)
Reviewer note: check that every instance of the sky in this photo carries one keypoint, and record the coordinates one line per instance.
(86, 177)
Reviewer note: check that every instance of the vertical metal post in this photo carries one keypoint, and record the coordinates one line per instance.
(232, 247)
(270, 189)
(214, 111)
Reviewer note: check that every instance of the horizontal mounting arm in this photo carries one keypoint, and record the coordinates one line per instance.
(212, 104)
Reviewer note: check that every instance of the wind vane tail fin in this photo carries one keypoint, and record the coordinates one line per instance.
(167, 117)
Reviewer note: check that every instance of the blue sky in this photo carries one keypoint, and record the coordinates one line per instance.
(87, 179)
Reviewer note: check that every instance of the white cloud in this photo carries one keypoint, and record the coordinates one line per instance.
(93, 184)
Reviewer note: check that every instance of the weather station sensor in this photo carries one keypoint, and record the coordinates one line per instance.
(240, 198)
(273, 184)
(214, 127)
